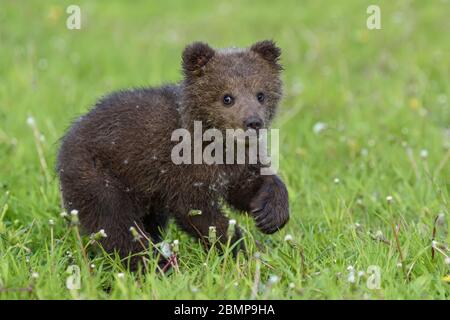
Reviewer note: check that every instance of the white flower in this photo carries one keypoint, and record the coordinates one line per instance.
(212, 234)
(135, 234)
(336, 180)
(389, 199)
(102, 233)
(63, 214)
(364, 152)
(351, 277)
(231, 228)
(399, 265)
(74, 217)
(166, 251)
(51, 222)
(291, 285)
(288, 238)
(273, 279)
(175, 246)
(194, 289)
(30, 121)
(121, 275)
(35, 275)
(424, 153)
(319, 127)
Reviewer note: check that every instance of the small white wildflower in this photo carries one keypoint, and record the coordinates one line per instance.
(291, 285)
(399, 265)
(364, 152)
(288, 238)
(319, 127)
(336, 180)
(389, 199)
(103, 233)
(194, 289)
(63, 214)
(350, 268)
(424, 153)
(175, 246)
(51, 222)
(35, 275)
(165, 249)
(135, 234)
(273, 279)
(231, 228)
(30, 121)
(212, 234)
(92, 266)
(121, 275)
(74, 217)
(351, 277)
(236, 284)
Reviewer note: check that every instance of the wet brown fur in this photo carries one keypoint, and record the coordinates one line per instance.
(115, 164)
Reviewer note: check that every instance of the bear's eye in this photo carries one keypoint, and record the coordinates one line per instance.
(227, 99)
(260, 96)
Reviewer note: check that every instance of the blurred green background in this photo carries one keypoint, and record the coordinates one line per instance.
(365, 115)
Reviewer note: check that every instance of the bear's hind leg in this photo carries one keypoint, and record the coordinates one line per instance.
(103, 203)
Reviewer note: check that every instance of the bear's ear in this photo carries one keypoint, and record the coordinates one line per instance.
(269, 51)
(195, 57)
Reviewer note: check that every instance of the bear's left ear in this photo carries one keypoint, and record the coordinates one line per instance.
(195, 57)
(269, 51)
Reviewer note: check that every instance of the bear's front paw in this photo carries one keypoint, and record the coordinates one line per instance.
(270, 206)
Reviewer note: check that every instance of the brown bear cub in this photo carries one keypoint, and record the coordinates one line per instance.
(115, 164)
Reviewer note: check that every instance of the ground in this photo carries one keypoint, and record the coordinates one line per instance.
(365, 146)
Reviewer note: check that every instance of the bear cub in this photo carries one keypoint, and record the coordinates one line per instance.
(115, 165)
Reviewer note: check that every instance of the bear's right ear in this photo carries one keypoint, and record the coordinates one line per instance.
(195, 57)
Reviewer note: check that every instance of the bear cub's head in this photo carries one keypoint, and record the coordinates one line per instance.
(231, 88)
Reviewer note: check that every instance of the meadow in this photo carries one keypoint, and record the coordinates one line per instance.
(364, 146)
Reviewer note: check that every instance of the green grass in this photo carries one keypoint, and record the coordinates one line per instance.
(383, 95)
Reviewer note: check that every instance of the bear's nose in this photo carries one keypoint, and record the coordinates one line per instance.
(253, 123)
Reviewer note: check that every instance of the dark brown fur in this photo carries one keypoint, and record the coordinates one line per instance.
(115, 163)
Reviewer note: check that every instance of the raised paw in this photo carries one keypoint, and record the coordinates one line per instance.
(270, 206)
